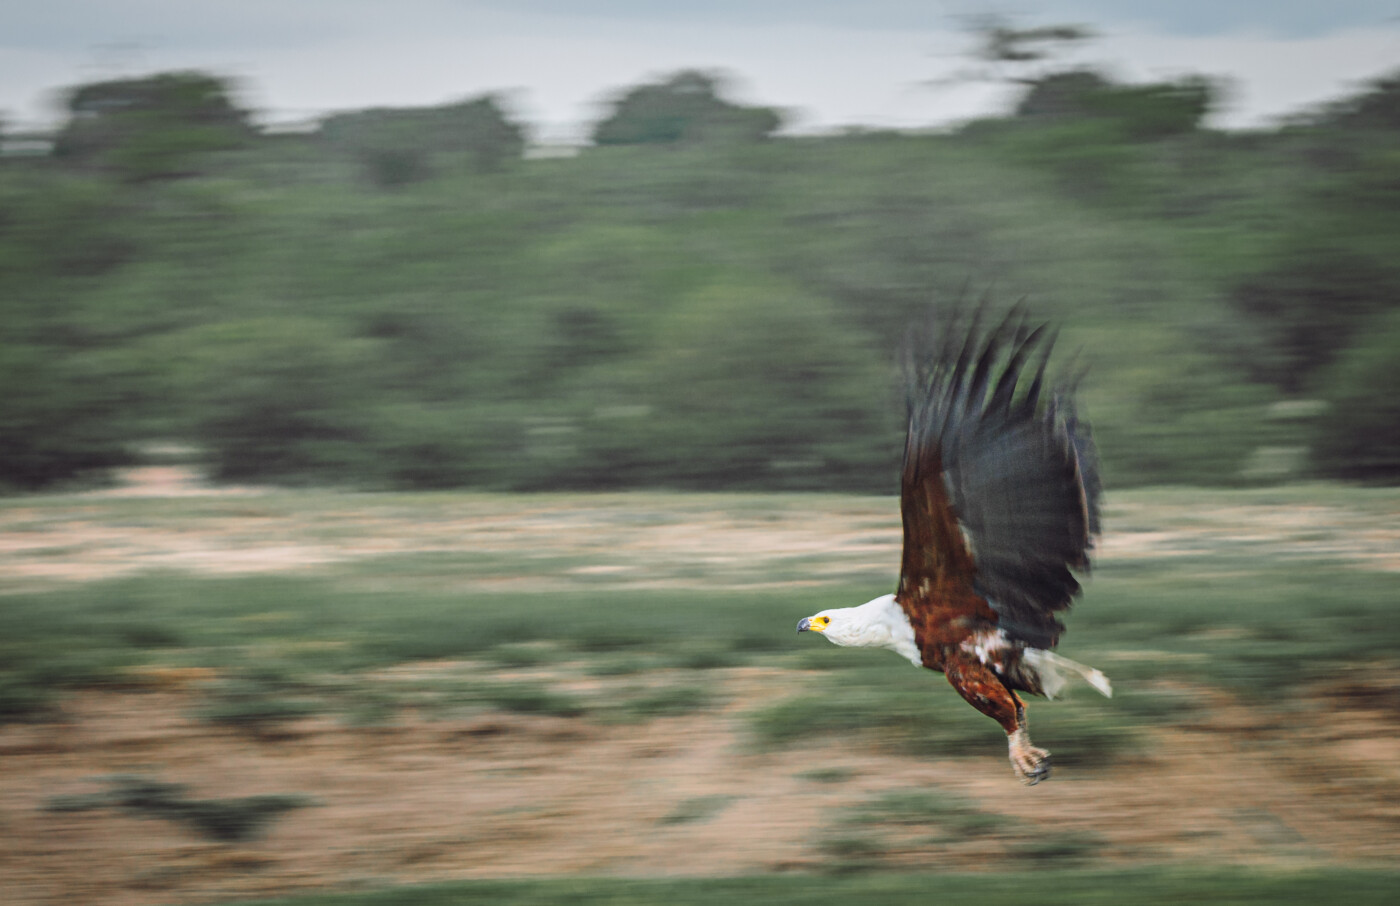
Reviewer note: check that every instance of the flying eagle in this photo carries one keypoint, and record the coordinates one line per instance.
(1000, 500)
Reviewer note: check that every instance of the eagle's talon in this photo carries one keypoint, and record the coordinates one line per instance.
(1031, 764)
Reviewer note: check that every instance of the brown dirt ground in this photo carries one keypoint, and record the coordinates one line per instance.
(507, 795)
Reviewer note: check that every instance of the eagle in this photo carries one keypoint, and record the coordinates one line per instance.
(999, 497)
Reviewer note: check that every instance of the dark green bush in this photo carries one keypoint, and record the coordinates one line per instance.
(1358, 436)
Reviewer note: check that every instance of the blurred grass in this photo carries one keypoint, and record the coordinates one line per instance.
(223, 820)
(860, 839)
(1154, 886)
(874, 835)
(954, 816)
(274, 643)
(1220, 603)
(1254, 624)
(697, 808)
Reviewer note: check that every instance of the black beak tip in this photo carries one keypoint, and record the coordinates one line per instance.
(804, 624)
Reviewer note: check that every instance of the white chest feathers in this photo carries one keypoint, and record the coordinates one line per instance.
(880, 623)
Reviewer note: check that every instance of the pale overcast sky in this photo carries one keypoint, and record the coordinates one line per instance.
(830, 63)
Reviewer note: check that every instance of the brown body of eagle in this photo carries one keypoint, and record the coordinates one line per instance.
(999, 499)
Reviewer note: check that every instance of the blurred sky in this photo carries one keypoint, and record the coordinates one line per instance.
(866, 62)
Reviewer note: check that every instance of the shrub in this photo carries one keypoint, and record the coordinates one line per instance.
(1358, 437)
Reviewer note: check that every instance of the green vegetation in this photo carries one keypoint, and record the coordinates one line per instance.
(700, 808)
(1148, 886)
(953, 815)
(1226, 611)
(259, 701)
(285, 648)
(150, 128)
(870, 836)
(223, 820)
(403, 299)
(399, 146)
(684, 108)
(370, 643)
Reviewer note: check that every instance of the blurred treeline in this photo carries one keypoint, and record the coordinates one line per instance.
(407, 298)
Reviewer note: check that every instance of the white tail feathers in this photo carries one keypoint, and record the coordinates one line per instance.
(1050, 667)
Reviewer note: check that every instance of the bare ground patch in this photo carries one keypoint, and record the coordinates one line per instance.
(165, 518)
(162, 520)
(507, 795)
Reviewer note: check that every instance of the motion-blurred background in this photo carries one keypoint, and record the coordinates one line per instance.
(483, 251)
(702, 289)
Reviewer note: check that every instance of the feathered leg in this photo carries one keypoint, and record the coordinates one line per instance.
(982, 689)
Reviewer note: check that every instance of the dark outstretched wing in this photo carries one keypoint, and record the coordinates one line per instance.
(1000, 487)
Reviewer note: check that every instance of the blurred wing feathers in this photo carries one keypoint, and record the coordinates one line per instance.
(1000, 488)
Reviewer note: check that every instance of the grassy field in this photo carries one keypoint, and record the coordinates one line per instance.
(1260, 622)
(1149, 887)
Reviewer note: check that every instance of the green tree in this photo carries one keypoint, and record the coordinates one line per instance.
(56, 225)
(1377, 108)
(1140, 112)
(1358, 437)
(684, 107)
(152, 127)
(60, 417)
(396, 144)
(1309, 305)
(760, 385)
(282, 400)
(492, 138)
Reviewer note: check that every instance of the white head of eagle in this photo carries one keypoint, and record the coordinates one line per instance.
(880, 623)
(999, 499)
